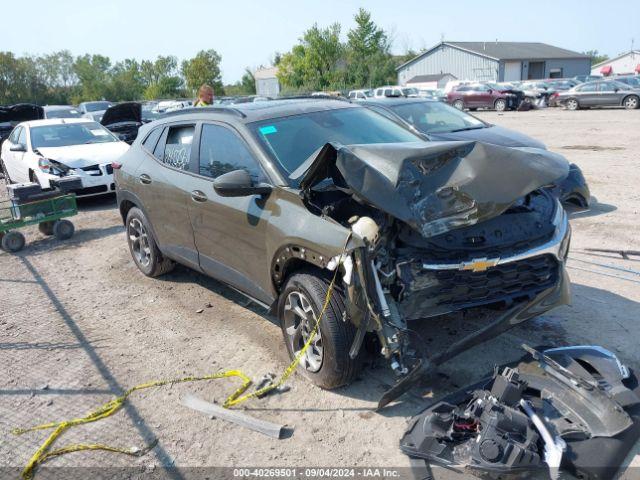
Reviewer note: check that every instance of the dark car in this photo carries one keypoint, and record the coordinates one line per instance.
(12, 115)
(123, 119)
(475, 96)
(605, 93)
(442, 122)
(272, 197)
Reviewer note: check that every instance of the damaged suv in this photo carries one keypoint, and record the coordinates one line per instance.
(272, 197)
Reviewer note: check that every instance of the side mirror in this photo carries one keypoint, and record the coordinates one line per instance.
(616, 90)
(18, 148)
(238, 183)
(491, 90)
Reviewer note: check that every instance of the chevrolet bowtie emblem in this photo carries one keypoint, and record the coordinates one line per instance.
(479, 264)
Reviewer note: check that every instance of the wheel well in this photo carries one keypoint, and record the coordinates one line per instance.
(125, 206)
(292, 258)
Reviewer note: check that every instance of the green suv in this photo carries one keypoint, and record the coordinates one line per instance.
(263, 196)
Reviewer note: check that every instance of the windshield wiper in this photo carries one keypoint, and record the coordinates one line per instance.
(467, 128)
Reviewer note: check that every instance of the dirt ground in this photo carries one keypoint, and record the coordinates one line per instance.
(79, 324)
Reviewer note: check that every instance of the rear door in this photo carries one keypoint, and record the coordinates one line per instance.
(230, 232)
(164, 186)
(588, 94)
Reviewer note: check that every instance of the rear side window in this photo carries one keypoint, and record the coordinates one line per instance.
(222, 151)
(177, 150)
(152, 139)
(587, 87)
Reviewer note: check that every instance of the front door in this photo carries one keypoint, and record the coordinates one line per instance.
(14, 160)
(230, 232)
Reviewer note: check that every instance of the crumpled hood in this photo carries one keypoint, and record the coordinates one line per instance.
(434, 187)
(493, 134)
(123, 112)
(80, 156)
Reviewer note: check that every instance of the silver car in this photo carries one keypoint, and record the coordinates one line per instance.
(604, 93)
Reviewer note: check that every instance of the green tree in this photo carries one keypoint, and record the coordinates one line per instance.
(246, 85)
(126, 82)
(93, 76)
(201, 69)
(161, 78)
(596, 57)
(369, 61)
(317, 62)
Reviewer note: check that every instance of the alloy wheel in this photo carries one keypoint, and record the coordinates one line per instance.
(500, 105)
(572, 104)
(139, 241)
(300, 319)
(631, 103)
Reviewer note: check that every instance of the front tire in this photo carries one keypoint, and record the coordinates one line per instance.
(327, 362)
(500, 105)
(631, 102)
(143, 247)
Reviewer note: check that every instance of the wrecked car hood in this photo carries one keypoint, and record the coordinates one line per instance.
(80, 156)
(434, 187)
(123, 112)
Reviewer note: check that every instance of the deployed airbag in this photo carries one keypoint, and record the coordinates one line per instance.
(435, 187)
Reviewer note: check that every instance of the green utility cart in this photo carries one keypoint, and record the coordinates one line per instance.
(49, 214)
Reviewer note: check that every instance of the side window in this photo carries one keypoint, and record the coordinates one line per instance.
(222, 151)
(177, 149)
(13, 138)
(152, 139)
(352, 94)
(379, 92)
(22, 137)
(588, 87)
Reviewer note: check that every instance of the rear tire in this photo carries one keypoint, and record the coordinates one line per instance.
(500, 105)
(459, 104)
(305, 293)
(13, 241)
(46, 228)
(572, 104)
(63, 229)
(143, 247)
(631, 102)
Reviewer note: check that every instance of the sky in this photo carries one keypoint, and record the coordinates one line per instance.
(247, 33)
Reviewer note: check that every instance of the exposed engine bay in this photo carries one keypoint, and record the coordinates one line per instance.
(441, 232)
(572, 409)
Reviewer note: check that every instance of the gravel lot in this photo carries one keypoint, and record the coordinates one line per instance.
(79, 324)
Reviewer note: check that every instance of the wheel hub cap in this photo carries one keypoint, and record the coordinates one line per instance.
(139, 242)
(299, 320)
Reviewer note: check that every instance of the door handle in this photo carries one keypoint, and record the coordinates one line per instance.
(144, 178)
(198, 196)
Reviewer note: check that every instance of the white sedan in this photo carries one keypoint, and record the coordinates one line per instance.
(44, 150)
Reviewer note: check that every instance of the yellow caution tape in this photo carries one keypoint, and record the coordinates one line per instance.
(112, 406)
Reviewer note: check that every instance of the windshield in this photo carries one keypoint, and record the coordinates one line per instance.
(64, 113)
(436, 117)
(97, 106)
(410, 91)
(67, 134)
(291, 140)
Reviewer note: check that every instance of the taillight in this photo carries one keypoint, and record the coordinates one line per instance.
(116, 165)
(44, 165)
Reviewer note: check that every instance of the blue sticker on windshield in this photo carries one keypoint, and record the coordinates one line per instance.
(268, 129)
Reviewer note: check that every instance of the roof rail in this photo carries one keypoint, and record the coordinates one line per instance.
(314, 97)
(229, 110)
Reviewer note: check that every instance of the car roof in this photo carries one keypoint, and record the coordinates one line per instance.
(56, 121)
(257, 111)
